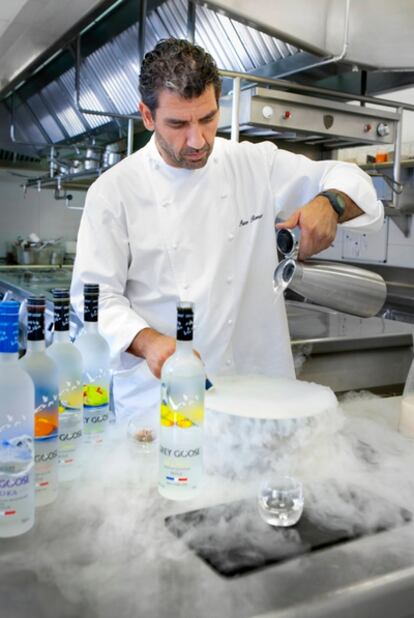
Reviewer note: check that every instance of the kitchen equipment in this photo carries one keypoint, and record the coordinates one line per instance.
(336, 285)
(41, 252)
(92, 158)
(111, 155)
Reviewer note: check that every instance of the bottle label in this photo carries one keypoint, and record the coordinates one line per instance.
(16, 496)
(35, 325)
(46, 439)
(91, 308)
(46, 465)
(46, 413)
(185, 320)
(70, 438)
(70, 397)
(95, 412)
(181, 436)
(61, 317)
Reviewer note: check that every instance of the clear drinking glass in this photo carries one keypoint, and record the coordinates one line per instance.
(280, 501)
(142, 429)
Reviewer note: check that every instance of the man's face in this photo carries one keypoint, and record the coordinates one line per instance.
(184, 128)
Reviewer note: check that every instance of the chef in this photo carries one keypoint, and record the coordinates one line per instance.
(191, 216)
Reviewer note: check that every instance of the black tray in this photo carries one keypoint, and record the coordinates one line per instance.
(233, 539)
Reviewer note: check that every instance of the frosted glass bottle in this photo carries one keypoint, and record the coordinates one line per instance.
(70, 369)
(182, 415)
(96, 370)
(406, 425)
(17, 507)
(43, 371)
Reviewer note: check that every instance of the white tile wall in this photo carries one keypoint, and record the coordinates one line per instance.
(38, 212)
(374, 248)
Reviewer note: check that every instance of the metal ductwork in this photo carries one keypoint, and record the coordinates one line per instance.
(103, 79)
(379, 32)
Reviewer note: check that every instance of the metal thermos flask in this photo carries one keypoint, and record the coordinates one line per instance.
(336, 285)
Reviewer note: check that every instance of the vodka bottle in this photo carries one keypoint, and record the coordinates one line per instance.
(69, 363)
(96, 372)
(182, 415)
(43, 371)
(16, 431)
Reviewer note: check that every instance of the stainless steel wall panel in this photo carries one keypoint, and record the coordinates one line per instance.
(67, 84)
(62, 105)
(45, 118)
(217, 34)
(110, 83)
(26, 129)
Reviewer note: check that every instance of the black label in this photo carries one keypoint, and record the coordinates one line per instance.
(35, 325)
(61, 316)
(91, 308)
(185, 320)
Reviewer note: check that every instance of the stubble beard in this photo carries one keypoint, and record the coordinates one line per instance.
(179, 160)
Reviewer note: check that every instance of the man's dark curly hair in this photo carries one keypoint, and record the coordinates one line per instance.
(179, 66)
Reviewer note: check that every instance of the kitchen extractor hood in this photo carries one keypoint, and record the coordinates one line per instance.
(98, 70)
(379, 33)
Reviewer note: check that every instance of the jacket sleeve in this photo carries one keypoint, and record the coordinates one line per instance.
(296, 179)
(103, 256)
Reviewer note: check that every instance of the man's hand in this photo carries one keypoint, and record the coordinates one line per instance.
(318, 221)
(154, 347)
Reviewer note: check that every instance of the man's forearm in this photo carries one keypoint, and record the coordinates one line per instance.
(142, 341)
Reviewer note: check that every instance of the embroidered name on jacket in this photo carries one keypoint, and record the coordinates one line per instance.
(247, 221)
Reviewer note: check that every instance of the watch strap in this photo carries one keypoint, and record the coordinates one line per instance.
(336, 200)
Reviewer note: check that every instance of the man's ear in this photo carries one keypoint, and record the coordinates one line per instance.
(146, 115)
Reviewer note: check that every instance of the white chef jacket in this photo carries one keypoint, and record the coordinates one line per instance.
(152, 235)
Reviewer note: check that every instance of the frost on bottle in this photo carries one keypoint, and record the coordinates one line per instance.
(43, 371)
(182, 415)
(69, 363)
(16, 431)
(96, 372)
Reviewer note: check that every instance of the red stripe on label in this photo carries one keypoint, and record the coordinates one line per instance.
(44, 484)
(10, 512)
(183, 478)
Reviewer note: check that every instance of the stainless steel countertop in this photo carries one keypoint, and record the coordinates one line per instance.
(370, 576)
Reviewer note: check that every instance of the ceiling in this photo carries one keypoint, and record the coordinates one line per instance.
(29, 27)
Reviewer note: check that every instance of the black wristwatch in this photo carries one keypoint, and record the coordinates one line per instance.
(336, 201)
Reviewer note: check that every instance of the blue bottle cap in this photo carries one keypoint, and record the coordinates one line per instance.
(9, 327)
(9, 307)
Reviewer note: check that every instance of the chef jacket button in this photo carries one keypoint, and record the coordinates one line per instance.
(230, 322)
(156, 166)
(186, 286)
(175, 245)
(229, 279)
(224, 195)
(165, 204)
(230, 236)
(228, 362)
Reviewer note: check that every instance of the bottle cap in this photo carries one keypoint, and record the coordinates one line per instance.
(9, 307)
(61, 294)
(36, 301)
(9, 327)
(91, 289)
